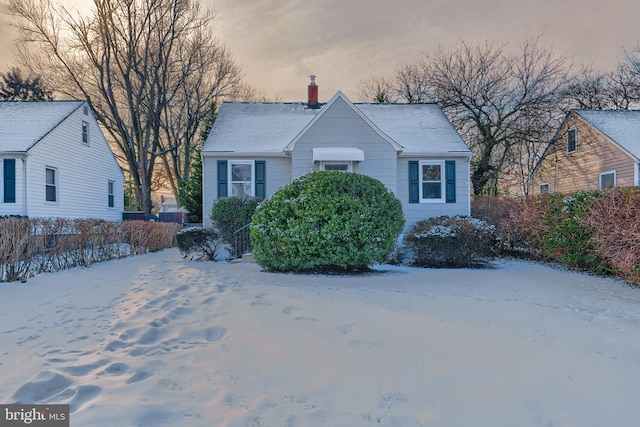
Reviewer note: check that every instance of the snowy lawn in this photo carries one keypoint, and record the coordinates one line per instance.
(155, 340)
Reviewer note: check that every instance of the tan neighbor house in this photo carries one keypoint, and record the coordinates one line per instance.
(593, 149)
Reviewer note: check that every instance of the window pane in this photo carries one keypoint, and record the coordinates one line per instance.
(431, 172)
(431, 190)
(241, 173)
(607, 180)
(343, 167)
(51, 193)
(571, 140)
(241, 190)
(51, 177)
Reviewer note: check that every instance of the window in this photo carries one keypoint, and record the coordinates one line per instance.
(607, 180)
(51, 186)
(241, 179)
(335, 166)
(544, 188)
(85, 109)
(110, 196)
(572, 140)
(432, 184)
(85, 132)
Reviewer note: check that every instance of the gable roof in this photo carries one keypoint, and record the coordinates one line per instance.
(24, 123)
(334, 98)
(621, 126)
(270, 128)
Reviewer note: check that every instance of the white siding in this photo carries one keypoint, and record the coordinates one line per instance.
(414, 212)
(83, 172)
(340, 126)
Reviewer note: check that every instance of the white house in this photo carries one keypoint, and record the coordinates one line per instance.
(56, 162)
(254, 148)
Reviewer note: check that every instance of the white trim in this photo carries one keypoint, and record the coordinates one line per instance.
(56, 185)
(548, 188)
(442, 198)
(85, 131)
(615, 178)
(349, 165)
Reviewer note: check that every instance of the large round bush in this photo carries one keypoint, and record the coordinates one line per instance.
(327, 221)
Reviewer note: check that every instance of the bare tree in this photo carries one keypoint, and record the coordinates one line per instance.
(149, 67)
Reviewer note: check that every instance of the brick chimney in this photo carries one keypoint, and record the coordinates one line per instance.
(313, 92)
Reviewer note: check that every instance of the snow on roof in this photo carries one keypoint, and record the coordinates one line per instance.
(622, 126)
(256, 127)
(24, 123)
(419, 128)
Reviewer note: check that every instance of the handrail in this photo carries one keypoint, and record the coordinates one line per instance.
(242, 241)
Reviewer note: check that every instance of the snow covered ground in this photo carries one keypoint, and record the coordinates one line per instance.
(155, 340)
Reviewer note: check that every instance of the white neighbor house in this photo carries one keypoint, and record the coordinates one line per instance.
(254, 148)
(56, 162)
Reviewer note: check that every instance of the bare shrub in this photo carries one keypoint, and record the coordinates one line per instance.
(615, 219)
(15, 248)
(519, 223)
(146, 236)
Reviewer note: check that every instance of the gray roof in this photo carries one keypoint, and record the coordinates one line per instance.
(622, 126)
(24, 123)
(268, 127)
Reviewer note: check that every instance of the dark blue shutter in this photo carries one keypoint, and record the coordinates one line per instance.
(414, 181)
(9, 180)
(450, 183)
(222, 178)
(260, 179)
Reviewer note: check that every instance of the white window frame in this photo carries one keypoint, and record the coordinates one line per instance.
(442, 181)
(251, 182)
(85, 132)
(615, 179)
(1, 180)
(111, 196)
(55, 185)
(575, 132)
(544, 184)
(349, 164)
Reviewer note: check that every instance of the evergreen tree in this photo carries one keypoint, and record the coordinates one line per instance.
(191, 197)
(13, 87)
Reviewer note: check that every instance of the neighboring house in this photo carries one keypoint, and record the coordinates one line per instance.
(255, 148)
(55, 162)
(593, 149)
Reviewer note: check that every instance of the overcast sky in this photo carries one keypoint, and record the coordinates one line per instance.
(280, 42)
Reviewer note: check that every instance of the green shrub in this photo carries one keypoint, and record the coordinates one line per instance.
(451, 242)
(199, 243)
(327, 221)
(229, 214)
(570, 239)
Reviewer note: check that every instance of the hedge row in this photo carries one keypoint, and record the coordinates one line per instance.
(598, 231)
(32, 246)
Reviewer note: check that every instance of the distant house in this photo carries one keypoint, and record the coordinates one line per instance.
(593, 149)
(55, 162)
(254, 148)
